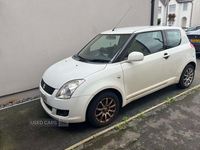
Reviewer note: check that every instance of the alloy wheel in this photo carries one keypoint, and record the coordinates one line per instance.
(188, 76)
(105, 110)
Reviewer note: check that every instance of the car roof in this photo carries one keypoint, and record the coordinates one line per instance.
(137, 29)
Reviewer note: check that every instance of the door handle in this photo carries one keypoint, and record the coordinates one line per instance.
(166, 56)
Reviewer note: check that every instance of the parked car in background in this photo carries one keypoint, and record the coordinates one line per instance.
(115, 68)
(194, 38)
(194, 28)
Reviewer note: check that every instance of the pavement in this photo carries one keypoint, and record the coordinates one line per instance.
(173, 125)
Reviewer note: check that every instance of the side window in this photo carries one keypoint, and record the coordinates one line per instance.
(173, 38)
(147, 43)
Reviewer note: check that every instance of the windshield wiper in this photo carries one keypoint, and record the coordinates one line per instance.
(99, 60)
(81, 58)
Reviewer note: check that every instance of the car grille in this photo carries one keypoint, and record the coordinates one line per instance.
(47, 88)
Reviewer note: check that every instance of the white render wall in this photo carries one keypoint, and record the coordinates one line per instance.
(34, 34)
(196, 13)
(183, 13)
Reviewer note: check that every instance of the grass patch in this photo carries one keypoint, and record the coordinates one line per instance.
(122, 126)
(141, 115)
(168, 101)
(196, 90)
(125, 118)
(94, 137)
(135, 128)
(172, 99)
(134, 139)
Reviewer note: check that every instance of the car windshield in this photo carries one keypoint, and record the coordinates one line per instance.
(103, 47)
(191, 29)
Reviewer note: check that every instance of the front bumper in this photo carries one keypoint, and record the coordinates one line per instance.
(71, 110)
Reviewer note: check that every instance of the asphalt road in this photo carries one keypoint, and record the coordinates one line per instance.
(17, 132)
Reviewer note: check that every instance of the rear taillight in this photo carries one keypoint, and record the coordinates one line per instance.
(191, 45)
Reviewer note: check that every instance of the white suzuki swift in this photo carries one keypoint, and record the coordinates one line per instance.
(115, 68)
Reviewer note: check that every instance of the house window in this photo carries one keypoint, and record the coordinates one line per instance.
(172, 8)
(159, 10)
(171, 23)
(185, 6)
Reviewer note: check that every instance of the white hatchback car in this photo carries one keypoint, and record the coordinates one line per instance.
(115, 68)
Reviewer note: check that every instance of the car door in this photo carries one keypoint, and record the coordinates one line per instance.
(178, 51)
(150, 74)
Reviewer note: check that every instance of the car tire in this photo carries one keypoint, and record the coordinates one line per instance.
(103, 109)
(187, 77)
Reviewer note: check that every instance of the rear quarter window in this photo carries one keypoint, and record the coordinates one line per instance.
(173, 38)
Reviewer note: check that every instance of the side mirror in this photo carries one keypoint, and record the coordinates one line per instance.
(135, 56)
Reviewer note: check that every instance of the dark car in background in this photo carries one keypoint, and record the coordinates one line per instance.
(194, 37)
(194, 28)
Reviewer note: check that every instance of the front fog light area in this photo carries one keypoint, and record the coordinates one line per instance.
(68, 89)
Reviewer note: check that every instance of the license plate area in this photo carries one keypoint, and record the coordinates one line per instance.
(195, 40)
(44, 98)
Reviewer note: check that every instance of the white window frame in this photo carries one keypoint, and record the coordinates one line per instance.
(172, 8)
(185, 6)
(159, 10)
(171, 23)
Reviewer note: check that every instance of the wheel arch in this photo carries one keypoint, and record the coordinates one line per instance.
(192, 63)
(179, 84)
(179, 75)
(115, 91)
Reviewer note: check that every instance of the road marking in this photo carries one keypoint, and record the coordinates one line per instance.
(128, 120)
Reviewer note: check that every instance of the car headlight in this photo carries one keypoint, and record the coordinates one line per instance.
(68, 89)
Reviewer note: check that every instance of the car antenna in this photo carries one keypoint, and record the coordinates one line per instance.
(122, 18)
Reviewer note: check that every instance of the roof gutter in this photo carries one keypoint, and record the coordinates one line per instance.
(152, 11)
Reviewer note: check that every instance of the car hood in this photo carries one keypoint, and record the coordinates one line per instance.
(69, 69)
